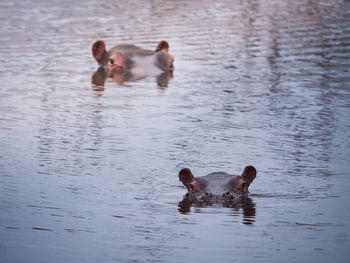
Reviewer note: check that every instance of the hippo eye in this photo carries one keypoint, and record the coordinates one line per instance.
(111, 61)
(191, 187)
(244, 185)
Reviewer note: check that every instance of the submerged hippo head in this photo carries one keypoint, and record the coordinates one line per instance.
(126, 62)
(217, 187)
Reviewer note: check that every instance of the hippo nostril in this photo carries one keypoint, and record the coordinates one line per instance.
(206, 193)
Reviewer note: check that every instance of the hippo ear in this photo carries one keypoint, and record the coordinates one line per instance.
(98, 50)
(249, 174)
(186, 177)
(162, 46)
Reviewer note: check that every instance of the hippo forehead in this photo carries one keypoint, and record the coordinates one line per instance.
(218, 183)
(130, 50)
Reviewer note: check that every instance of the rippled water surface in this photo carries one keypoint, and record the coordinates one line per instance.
(89, 173)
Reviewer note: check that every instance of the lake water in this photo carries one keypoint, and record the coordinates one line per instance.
(90, 173)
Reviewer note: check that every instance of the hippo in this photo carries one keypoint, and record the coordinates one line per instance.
(127, 62)
(217, 188)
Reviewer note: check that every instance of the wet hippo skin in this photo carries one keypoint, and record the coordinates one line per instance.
(218, 187)
(128, 62)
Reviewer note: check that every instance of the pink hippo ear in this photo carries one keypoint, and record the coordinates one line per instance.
(249, 174)
(162, 46)
(98, 50)
(186, 177)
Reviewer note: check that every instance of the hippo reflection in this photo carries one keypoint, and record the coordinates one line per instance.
(219, 187)
(126, 62)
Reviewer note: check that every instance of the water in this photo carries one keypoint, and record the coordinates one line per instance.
(89, 173)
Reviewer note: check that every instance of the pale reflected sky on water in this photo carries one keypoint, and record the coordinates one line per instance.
(90, 173)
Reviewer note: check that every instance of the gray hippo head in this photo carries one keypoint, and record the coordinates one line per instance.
(218, 187)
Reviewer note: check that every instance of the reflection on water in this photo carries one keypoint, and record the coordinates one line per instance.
(245, 204)
(98, 79)
(88, 166)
